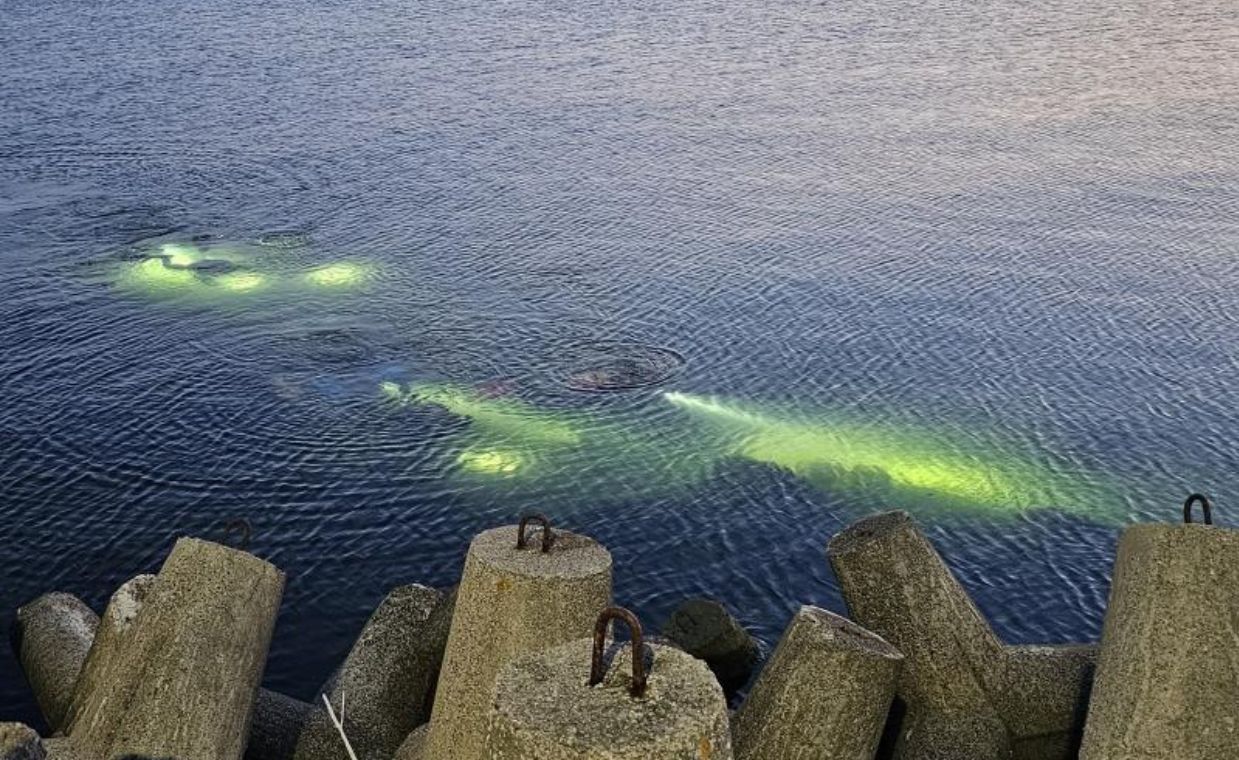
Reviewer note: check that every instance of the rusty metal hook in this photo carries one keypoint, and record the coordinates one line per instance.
(242, 526)
(1204, 504)
(596, 669)
(548, 537)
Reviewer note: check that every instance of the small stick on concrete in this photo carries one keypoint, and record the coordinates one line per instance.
(339, 724)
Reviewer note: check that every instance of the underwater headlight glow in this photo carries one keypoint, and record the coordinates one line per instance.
(179, 255)
(155, 275)
(850, 452)
(240, 282)
(338, 275)
(490, 461)
(509, 416)
(391, 390)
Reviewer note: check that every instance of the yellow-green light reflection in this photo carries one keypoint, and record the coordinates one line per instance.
(845, 453)
(341, 274)
(391, 391)
(153, 275)
(180, 255)
(490, 461)
(507, 416)
(240, 282)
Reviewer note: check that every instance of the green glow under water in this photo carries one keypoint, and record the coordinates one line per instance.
(340, 274)
(619, 457)
(180, 255)
(241, 282)
(485, 461)
(499, 415)
(883, 460)
(180, 268)
(153, 275)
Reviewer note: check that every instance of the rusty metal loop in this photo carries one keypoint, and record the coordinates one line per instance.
(548, 537)
(596, 668)
(1204, 505)
(241, 526)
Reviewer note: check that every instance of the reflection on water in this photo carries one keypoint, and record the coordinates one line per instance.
(706, 280)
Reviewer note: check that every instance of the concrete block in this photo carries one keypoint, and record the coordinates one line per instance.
(20, 742)
(277, 723)
(1042, 695)
(387, 680)
(706, 630)
(510, 601)
(544, 709)
(825, 693)
(113, 627)
(414, 747)
(897, 586)
(184, 679)
(1167, 685)
(51, 638)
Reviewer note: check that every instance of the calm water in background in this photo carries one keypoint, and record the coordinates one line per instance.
(1016, 223)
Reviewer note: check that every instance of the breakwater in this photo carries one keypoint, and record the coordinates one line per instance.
(519, 662)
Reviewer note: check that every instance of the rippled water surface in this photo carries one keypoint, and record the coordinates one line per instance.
(705, 280)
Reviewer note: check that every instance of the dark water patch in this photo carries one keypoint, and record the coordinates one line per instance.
(285, 239)
(604, 366)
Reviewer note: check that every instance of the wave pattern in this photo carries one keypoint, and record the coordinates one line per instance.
(1007, 230)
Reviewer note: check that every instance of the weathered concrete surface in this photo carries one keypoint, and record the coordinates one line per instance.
(897, 586)
(277, 719)
(20, 742)
(62, 748)
(387, 680)
(277, 723)
(414, 747)
(1042, 694)
(825, 693)
(184, 679)
(1167, 683)
(543, 709)
(510, 601)
(966, 694)
(706, 630)
(117, 620)
(51, 638)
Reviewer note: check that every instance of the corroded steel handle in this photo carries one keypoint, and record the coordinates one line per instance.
(548, 538)
(1204, 504)
(596, 669)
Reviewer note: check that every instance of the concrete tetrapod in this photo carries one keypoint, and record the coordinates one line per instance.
(277, 723)
(825, 693)
(277, 719)
(51, 638)
(183, 681)
(545, 707)
(706, 630)
(511, 601)
(965, 695)
(20, 742)
(113, 627)
(1167, 684)
(414, 746)
(386, 681)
